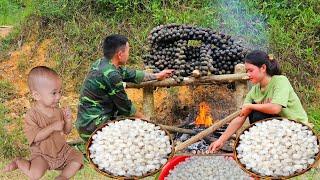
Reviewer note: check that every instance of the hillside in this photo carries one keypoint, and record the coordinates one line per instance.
(67, 36)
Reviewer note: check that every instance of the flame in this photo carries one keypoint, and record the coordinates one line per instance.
(204, 116)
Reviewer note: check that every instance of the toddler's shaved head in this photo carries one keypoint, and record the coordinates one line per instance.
(37, 74)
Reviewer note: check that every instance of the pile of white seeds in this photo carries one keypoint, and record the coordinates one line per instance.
(207, 168)
(130, 148)
(277, 148)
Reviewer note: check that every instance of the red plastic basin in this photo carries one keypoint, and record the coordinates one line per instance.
(175, 161)
(170, 165)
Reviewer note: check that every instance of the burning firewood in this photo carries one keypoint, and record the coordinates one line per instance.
(204, 117)
(207, 131)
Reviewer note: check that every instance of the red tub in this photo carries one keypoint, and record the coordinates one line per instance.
(170, 165)
(173, 162)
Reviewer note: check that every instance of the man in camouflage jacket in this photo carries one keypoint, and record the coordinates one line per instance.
(102, 95)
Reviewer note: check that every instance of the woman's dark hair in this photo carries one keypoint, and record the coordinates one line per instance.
(258, 58)
(112, 44)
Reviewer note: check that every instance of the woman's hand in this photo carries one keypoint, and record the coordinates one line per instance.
(215, 146)
(246, 110)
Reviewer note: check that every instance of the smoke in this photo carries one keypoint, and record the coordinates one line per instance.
(246, 25)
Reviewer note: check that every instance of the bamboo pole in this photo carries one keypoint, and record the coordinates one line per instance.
(226, 78)
(207, 131)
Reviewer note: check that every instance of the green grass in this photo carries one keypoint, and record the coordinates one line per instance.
(13, 12)
(312, 174)
(12, 143)
(7, 91)
(87, 172)
(314, 117)
(293, 33)
(9, 12)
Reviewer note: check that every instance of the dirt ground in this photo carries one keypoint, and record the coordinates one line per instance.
(5, 30)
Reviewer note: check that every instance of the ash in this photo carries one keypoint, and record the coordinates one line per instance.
(202, 145)
(198, 146)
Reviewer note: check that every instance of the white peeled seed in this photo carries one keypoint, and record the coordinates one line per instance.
(277, 147)
(126, 148)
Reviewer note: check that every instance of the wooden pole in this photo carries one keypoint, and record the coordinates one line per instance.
(226, 78)
(176, 129)
(240, 93)
(148, 100)
(207, 131)
(241, 86)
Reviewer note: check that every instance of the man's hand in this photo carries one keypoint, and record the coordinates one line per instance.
(58, 125)
(67, 114)
(164, 74)
(246, 110)
(215, 146)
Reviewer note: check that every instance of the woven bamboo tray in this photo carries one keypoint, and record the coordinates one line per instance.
(109, 174)
(254, 174)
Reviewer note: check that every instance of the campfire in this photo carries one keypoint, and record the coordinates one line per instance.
(202, 121)
(204, 117)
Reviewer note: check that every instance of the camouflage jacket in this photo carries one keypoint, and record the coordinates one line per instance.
(102, 95)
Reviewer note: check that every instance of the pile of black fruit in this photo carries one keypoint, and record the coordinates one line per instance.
(187, 48)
